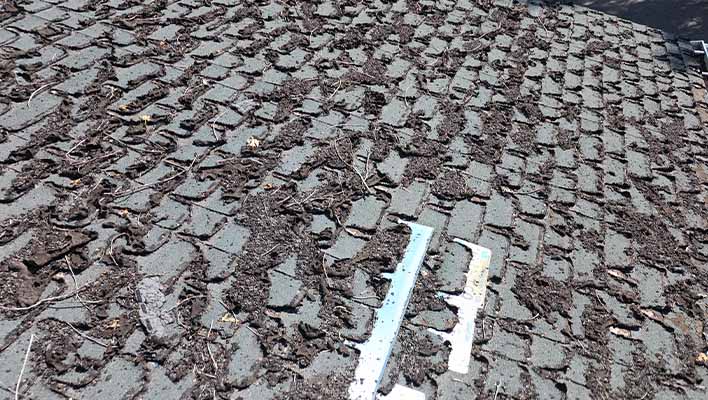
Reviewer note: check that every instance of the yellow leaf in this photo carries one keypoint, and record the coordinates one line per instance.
(76, 182)
(253, 142)
(702, 359)
(146, 118)
(228, 317)
(123, 107)
(114, 324)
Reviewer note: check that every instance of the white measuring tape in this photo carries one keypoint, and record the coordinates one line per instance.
(468, 303)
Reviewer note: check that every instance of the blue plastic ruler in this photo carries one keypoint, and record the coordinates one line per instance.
(375, 352)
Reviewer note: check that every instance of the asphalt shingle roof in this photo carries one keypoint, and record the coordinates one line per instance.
(200, 199)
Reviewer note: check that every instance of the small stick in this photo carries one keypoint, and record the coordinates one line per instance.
(324, 269)
(365, 297)
(87, 337)
(174, 164)
(522, 193)
(37, 91)
(24, 365)
(335, 90)
(110, 249)
(184, 301)
(81, 164)
(366, 185)
(42, 301)
(543, 26)
(253, 331)
(149, 185)
(313, 31)
(7, 389)
(213, 127)
(366, 168)
(269, 251)
(67, 155)
(211, 355)
(76, 283)
(198, 372)
(496, 392)
(301, 202)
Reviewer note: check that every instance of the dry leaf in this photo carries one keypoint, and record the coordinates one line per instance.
(702, 359)
(621, 276)
(114, 324)
(76, 182)
(146, 118)
(228, 317)
(123, 107)
(621, 332)
(267, 186)
(357, 233)
(653, 315)
(253, 142)
(617, 274)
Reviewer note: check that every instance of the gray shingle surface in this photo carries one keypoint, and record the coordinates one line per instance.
(209, 142)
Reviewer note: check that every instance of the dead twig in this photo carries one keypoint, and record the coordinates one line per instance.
(405, 95)
(460, 381)
(110, 249)
(213, 125)
(339, 85)
(543, 26)
(311, 32)
(269, 251)
(81, 164)
(24, 365)
(159, 182)
(37, 92)
(496, 392)
(366, 185)
(67, 155)
(7, 389)
(87, 337)
(198, 372)
(298, 203)
(253, 330)
(324, 270)
(76, 283)
(179, 322)
(184, 301)
(42, 301)
(174, 164)
(211, 355)
(366, 167)
(518, 192)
